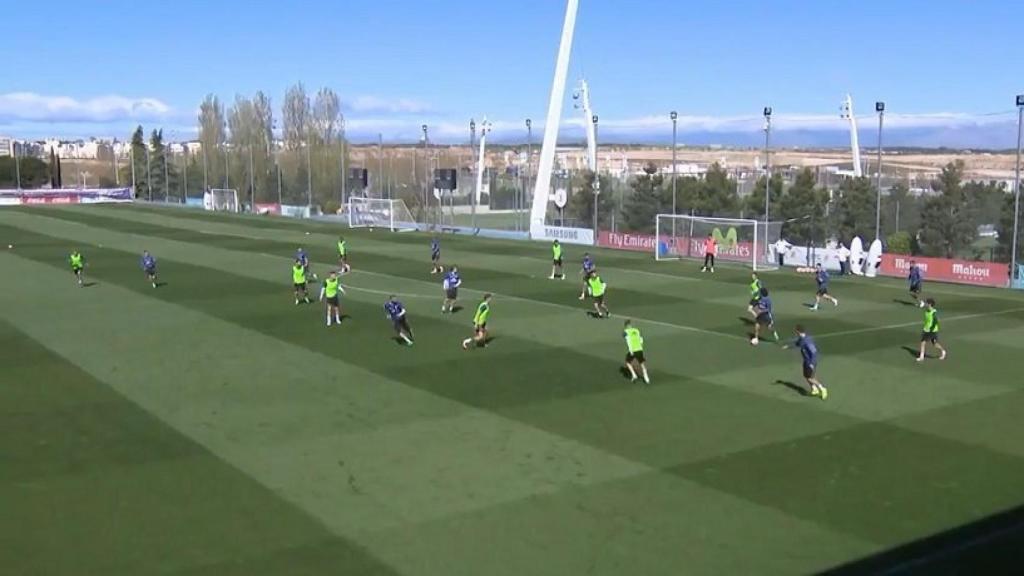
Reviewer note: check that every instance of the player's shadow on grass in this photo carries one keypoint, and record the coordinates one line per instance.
(89, 284)
(794, 387)
(904, 302)
(912, 351)
(161, 284)
(455, 309)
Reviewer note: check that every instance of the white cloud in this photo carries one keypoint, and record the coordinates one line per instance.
(32, 107)
(371, 104)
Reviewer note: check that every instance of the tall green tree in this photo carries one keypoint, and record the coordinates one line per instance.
(212, 137)
(162, 174)
(946, 224)
(853, 211)
(803, 207)
(1005, 247)
(646, 200)
(753, 205)
(901, 211)
(34, 172)
(581, 201)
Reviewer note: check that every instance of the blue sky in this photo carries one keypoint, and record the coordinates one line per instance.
(399, 63)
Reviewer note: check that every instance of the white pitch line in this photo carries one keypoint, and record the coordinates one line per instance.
(918, 323)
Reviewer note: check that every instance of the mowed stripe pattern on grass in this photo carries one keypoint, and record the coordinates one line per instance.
(553, 370)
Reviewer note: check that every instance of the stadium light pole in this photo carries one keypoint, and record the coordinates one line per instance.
(529, 158)
(344, 165)
(880, 108)
(597, 180)
(1016, 190)
(767, 172)
(167, 182)
(184, 170)
(131, 155)
(380, 164)
(252, 182)
(673, 115)
(472, 170)
(426, 169)
(206, 179)
(309, 173)
(17, 165)
(149, 176)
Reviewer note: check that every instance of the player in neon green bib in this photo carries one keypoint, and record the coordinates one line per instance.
(597, 287)
(343, 255)
(635, 352)
(755, 294)
(330, 289)
(930, 331)
(483, 312)
(556, 261)
(77, 262)
(299, 282)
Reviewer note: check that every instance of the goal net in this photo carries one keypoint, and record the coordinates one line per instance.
(738, 240)
(223, 200)
(393, 215)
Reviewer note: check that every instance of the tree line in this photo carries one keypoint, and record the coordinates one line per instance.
(943, 223)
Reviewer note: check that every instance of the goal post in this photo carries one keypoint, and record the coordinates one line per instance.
(738, 240)
(223, 200)
(393, 215)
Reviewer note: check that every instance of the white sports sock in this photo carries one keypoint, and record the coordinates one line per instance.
(646, 378)
(632, 372)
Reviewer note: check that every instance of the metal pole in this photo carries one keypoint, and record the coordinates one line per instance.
(344, 167)
(472, 156)
(227, 166)
(17, 165)
(673, 115)
(767, 174)
(252, 182)
(149, 176)
(184, 170)
(309, 174)
(380, 164)
(131, 154)
(1016, 191)
(529, 160)
(278, 166)
(597, 180)
(426, 172)
(880, 108)
(167, 182)
(206, 180)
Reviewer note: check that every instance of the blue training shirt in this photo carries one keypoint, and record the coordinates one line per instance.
(148, 262)
(821, 276)
(394, 310)
(588, 264)
(764, 306)
(452, 280)
(301, 257)
(435, 247)
(915, 275)
(808, 349)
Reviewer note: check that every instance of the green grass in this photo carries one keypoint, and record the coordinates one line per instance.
(212, 427)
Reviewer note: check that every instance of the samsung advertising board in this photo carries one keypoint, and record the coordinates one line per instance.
(584, 236)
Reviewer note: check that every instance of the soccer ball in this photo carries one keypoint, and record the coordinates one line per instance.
(753, 341)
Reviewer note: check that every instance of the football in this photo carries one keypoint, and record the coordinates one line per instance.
(753, 341)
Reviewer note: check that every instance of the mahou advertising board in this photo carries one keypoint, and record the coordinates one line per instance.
(948, 270)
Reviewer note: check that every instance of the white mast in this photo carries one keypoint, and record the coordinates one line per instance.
(485, 128)
(582, 97)
(542, 187)
(847, 113)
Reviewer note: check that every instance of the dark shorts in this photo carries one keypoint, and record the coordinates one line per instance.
(435, 256)
(599, 300)
(808, 371)
(300, 285)
(637, 356)
(451, 293)
(151, 271)
(332, 301)
(915, 287)
(765, 319)
(931, 337)
(754, 301)
(822, 290)
(402, 324)
(557, 261)
(76, 269)
(480, 327)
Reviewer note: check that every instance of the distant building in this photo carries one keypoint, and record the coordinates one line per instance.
(6, 146)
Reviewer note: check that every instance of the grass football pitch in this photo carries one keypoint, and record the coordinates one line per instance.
(210, 426)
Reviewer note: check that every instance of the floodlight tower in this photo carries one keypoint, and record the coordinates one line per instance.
(485, 128)
(581, 96)
(846, 112)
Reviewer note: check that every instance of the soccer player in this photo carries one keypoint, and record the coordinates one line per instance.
(299, 282)
(635, 352)
(930, 333)
(755, 294)
(915, 278)
(435, 256)
(821, 277)
(588, 270)
(343, 255)
(330, 290)
(809, 355)
(483, 311)
(149, 266)
(301, 256)
(765, 317)
(77, 262)
(556, 261)
(710, 248)
(396, 313)
(451, 284)
(597, 289)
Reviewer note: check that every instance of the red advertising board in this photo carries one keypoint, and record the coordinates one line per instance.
(947, 270)
(46, 199)
(268, 208)
(673, 246)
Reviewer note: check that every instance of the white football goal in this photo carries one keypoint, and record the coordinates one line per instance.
(737, 239)
(223, 200)
(392, 215)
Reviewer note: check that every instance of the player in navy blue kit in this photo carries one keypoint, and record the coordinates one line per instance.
(302, 257)
(396, 313)
(915, 278)
(451, 284)
(586, 272)
(435, 256)
(822, 279)
(809, 356)
(148, 264)
(765, 317)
